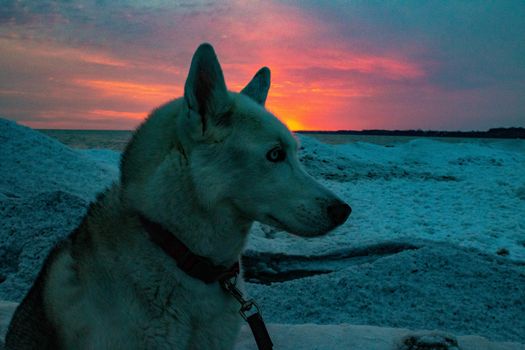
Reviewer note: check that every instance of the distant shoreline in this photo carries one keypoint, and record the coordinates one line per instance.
(495, 133)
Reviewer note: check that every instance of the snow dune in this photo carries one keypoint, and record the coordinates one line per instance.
(436, 239)
(45, 188)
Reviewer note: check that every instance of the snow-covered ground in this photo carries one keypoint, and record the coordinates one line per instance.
(466, 194)
(341, 336)
(436, 239)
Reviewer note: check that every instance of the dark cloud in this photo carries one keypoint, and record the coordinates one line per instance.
(467, 44)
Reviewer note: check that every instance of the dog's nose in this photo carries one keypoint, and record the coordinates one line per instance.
(339, 212)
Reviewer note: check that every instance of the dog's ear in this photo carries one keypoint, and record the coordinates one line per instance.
(205, 90)
(258, 87)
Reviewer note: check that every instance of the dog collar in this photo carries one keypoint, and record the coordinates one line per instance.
(192, 264)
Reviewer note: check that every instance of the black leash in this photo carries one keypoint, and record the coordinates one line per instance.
(251, 313)
(203, 269)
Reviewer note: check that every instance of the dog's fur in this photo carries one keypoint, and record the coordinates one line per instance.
(201, 167)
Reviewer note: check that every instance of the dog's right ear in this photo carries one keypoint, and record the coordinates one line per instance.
(258, 87)
(205, 90)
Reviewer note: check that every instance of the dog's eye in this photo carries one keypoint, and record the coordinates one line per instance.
(276, 155)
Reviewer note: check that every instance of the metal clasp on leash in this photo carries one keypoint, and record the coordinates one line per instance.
(250, 312)
(246, 305)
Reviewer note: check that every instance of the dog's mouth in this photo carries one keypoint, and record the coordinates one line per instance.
(275, 222)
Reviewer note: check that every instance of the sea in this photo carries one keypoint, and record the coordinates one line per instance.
(117, 139)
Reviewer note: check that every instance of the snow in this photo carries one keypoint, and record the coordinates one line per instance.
(342, 336)
(45, 188)
(435, 287)
(345, 336)
(33, 163)
(436, 239)
(467, 194)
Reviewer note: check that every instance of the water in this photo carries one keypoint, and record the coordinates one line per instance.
(117, 139)
(87, 139)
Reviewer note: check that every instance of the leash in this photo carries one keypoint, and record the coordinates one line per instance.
(203, 269)
(251, 313)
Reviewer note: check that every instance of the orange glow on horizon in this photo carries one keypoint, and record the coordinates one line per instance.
(100, 113)
(132, 90)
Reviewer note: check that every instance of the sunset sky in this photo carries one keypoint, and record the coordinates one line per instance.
(449, 65)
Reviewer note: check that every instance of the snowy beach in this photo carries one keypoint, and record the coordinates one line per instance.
(436, 239)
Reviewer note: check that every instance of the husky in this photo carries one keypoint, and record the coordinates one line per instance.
(200, 170)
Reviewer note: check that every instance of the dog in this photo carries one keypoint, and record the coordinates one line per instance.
(199, 170)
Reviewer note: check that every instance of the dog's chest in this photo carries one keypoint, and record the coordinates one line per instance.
(156, 311)
(203, 317)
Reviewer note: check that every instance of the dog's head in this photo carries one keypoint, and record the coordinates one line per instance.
(241, 156)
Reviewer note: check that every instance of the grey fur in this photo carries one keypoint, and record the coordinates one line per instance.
(259, 86)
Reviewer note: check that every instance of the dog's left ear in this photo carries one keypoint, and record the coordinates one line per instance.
(258, 87)
(205, 90)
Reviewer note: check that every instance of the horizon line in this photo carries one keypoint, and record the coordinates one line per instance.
(327, 131)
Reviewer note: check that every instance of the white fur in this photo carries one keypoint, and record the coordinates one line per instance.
(197, 166)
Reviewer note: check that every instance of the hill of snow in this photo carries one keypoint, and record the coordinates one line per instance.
(45, 188)
(33, 162)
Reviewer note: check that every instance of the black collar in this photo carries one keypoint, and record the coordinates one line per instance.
(194, 265)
